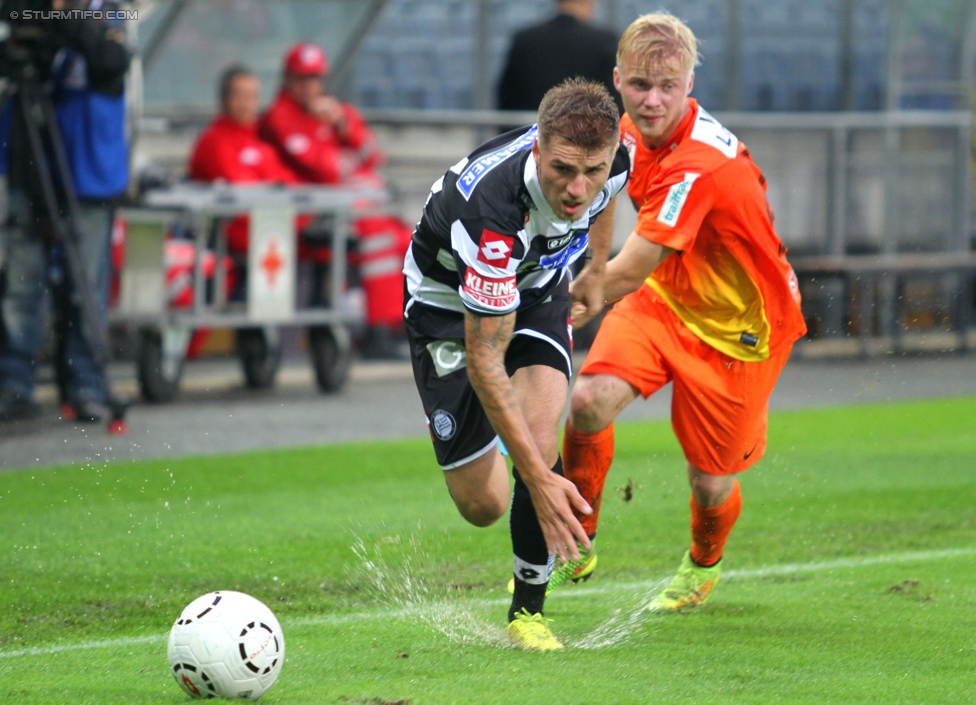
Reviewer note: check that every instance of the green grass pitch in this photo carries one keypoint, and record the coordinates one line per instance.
(850, 578)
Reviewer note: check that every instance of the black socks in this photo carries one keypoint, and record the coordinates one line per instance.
(532, 564)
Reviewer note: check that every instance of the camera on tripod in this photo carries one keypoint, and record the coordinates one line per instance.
(30, 40)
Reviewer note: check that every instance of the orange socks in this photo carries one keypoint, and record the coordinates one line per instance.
(586, 461)
(711, 526)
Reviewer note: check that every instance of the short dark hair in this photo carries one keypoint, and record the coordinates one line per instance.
(228, 76)
(581, 112)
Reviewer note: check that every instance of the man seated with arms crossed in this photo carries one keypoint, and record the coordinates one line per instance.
(715, 307)
(487, 317)
(327, 142)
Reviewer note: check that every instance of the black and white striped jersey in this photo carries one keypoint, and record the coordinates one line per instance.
(488, 240)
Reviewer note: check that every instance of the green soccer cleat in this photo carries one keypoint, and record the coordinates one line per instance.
(690, 587)
(531, 632)
(570, 570)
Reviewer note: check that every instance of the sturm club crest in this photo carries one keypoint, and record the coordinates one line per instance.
(443, 425)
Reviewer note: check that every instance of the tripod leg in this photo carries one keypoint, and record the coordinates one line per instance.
(24, 298)
(36, 108)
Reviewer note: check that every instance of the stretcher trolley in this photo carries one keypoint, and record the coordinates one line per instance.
(255, 295)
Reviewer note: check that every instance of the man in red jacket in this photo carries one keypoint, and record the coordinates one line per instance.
(230, 149)
(319, 138)
(324, 141)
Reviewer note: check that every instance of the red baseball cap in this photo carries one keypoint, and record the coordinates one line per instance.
(306, 59)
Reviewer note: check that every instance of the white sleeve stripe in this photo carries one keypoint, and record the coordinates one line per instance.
(489, 294)
(617, 183)
(463, 244)
(710, 131)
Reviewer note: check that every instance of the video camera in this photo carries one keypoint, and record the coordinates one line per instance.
(30, 38)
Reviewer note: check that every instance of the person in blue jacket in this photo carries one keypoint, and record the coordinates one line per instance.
(87, 78)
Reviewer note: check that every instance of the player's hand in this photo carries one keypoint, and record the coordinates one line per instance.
(327, 109)
(554, 499)
(587, 292)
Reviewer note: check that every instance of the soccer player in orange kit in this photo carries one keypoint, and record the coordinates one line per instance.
(709, 303)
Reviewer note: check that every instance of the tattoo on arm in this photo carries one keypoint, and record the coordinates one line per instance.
(486, 340)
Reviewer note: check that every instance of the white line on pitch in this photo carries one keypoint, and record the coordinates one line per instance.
(785, 569)
(791, 568)
(840, 563)
(103, 644)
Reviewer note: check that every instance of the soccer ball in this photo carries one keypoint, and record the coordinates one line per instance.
(226, 644)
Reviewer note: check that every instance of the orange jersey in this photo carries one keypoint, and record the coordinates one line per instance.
(701, 194)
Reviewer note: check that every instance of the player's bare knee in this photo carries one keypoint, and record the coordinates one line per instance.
(586, 413)
(710, 490)
(483, 511)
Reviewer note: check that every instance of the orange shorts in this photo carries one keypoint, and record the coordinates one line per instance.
(719, 404)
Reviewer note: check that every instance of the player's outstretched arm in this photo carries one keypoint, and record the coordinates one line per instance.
(486, 339)
(632, 265)
(587, 287)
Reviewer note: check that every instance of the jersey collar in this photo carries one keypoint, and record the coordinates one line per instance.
(530, 176)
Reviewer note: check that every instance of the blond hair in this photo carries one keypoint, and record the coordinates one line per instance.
(659, 39)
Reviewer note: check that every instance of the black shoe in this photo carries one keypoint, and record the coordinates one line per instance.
(383, 344)
(15, 407)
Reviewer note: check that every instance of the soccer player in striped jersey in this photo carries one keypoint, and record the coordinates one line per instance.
(487, 314)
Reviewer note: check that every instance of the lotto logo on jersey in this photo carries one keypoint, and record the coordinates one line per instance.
(495, 249)
(490, 292)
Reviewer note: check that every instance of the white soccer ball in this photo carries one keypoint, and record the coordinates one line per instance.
(226, 644)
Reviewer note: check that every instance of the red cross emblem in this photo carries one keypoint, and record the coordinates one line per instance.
(272, 263)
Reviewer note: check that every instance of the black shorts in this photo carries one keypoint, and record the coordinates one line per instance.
(459, 428)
